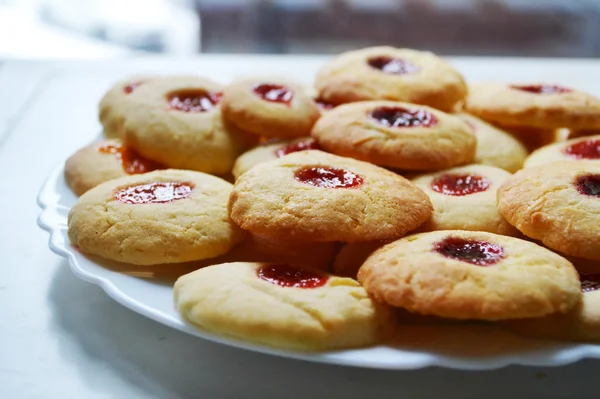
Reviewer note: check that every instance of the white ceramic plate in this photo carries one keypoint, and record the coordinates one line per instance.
(461, 347)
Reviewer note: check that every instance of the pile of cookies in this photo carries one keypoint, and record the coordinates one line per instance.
(327, 217)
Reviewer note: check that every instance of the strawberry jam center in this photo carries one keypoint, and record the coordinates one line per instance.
(291, 276)
(154, 193)
(586, 149)
(459, 184)
(403, 117)
(392, 65)
(475, 252)
(589, 185)
(542, 89)
(302, 145)
(274, 93)
(328, 177)
(132, 162)
(589, 282)
(193, 101)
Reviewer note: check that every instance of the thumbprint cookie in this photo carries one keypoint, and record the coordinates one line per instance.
(388, 73)
(166, 216)
(471, 275)
(281, 306)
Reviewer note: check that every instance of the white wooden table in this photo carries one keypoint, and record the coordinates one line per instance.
(64, 338)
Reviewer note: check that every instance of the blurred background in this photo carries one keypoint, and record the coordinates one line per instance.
(107, 28)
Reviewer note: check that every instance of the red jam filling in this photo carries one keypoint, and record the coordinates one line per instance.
(131, 161)
(324, 105)
(274, 93)
(291, 276)
(402, 117)
(586, 149)
(157, 192)
(589, 282)
(589, 185)
(308, 144)
(391, 65)
(458, 185)
(475, 252)
(193, 101)
(542, 89)
(131, 87)
(327, 177)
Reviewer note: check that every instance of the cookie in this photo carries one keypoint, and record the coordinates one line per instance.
(471, 275)
(495, 147)
(269, 107)
(534, 105)
(396, 135)
(176, 121)
(281, 306)
(167, 216)
(534, 137)
(270, 151)
(315, 196)
(351, 257)
(387, 73)
(573, 134)
(322, 105)
(580, 149)
(581, 324)
(111, 105)
(464, 198)
(104, 161)
(557, 204)
(315, 255)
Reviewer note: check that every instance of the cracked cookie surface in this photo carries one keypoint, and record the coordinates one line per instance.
(398, 135)
(464, 198)
(315, 196)
(535, 105)
(269, 107)
(176, 120)
(187, 219)
(471, 275)
(281, 306)
(557, 204)
(388, 73)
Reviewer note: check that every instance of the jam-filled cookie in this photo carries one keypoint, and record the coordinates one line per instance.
(269, 107)
(315, 196)
(103, 161)
(557, 204)
(464, 198)
(534, 105)
(281, 306)
(351, 257)
(167, 216)
(582, 323)
(580, 149)
(471, 275)
(270, 151)
(398, 135)
(176, 121)
(495, 147)
(112, 104)
(387, 73)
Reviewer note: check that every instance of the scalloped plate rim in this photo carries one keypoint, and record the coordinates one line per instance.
(559, 357)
